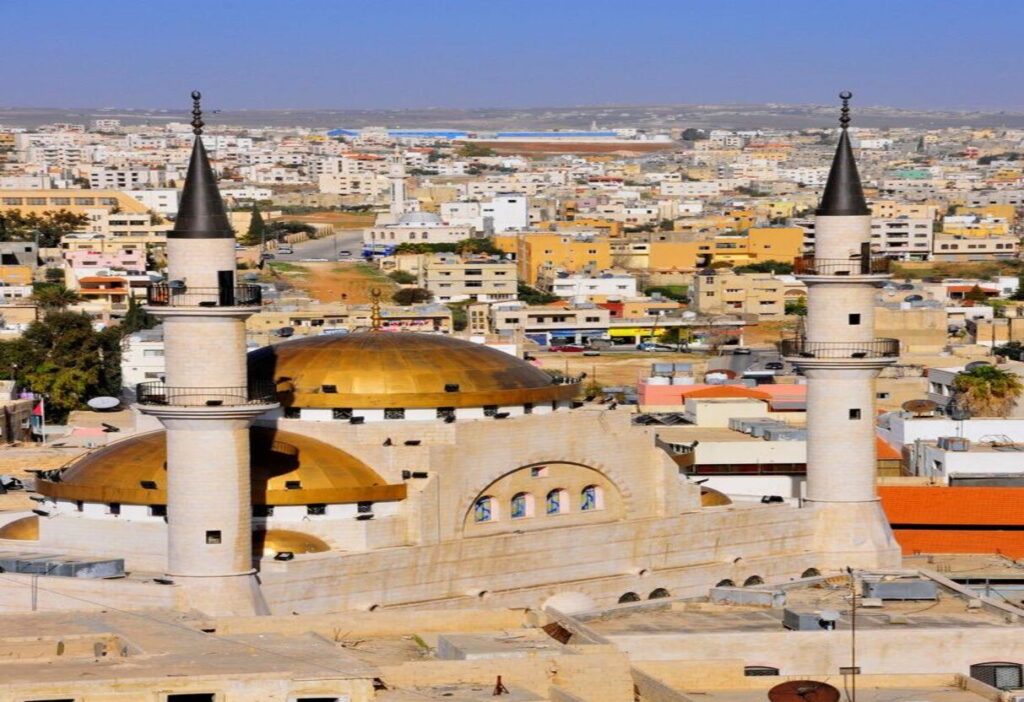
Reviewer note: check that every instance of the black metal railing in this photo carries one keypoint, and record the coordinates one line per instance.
(159, 393)
(166, 295)
(872, 265)
(876, 348)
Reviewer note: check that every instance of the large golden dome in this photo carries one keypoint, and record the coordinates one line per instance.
(400, 369)
(287, 469)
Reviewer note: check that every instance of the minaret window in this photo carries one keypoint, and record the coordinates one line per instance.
(521, 507)
(213, 537)
(557, 502)
(854, 319)
(483, 510)
(855, 414)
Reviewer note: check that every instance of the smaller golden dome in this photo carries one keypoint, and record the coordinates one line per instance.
(271, 542)
(24, 529)
(709, 497)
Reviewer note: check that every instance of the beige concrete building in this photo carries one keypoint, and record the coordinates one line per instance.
(721, 291)
(452, 278)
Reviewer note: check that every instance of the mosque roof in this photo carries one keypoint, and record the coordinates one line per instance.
(400, 370)
(287, 469)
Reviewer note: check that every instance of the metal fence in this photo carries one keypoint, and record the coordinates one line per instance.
(876, 348)
(166, 295)
(874, 265)
(158, 393)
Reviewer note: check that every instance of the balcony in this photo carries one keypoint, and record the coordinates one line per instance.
(166, 295)
(158, 393)
(876, 348)
(872, 265)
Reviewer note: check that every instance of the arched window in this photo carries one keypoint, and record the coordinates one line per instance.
(753, 580)
(810, 573)
(484, 510)
(726, 583)
(556, 502)
(760, 670)
(1004, 676)
(591, 498)
(522, 505)
(629, 597)
(658, 594)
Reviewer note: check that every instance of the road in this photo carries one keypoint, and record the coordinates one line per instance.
(329, 247)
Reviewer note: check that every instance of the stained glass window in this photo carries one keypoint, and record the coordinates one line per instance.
(520, 506)
(554, 502)
(588, 498)
(483, 510)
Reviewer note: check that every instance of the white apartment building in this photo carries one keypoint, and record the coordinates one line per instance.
(604, 286)
(142, 359)
(163, 201)
(691, 188)
(414, 228)
(902, 237)
(101, 178)
(502, 213)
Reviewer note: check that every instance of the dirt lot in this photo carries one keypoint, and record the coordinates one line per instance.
(617, 368)
(333, 282)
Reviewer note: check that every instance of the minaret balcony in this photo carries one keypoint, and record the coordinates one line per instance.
(170, 295)
(799, 348)
(158, 393)
(842, 268)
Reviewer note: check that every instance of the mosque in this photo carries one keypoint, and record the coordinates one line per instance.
(386, 470)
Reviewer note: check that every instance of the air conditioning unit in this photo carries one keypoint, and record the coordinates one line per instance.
(954, 443)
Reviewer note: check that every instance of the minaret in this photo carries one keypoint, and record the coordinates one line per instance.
(841, 357)
(205, 401)
(396, 174)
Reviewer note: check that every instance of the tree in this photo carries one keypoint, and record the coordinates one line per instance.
(775, 267)
(666, 225)
(533, 296)
(1018, 294)
(136, 319)
(54, 296)
(976, 294)
(55, 275)
(412, 296)
(257, 228)
(797, 306)
(475, 151)
(987, 391)
(64, 358)
(402, 277)
(49, 226)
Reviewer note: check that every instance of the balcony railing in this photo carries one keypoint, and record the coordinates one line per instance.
(158, 393)
(876, 348)
(166, 295)
(873, 265)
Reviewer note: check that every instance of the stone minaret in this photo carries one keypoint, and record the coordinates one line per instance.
(205, 401)
(841, 357)
(396, 174)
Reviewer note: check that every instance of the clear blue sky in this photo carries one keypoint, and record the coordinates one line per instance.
(502, 53)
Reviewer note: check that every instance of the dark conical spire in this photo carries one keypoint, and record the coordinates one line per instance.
(201, 214)
(843, 193)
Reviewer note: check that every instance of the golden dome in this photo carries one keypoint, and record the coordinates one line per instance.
(287, 469)
(400, 369)
(709, 497)
(273, 541)
(24, 529)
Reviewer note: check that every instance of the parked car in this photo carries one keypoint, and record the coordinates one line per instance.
(774, 365)
(267, 256)
(591, 352)
(568, 348)
(285, 250)
(344, 254)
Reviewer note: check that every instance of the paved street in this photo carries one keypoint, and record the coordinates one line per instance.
(350, 240)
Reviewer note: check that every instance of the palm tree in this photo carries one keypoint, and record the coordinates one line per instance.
(55, 297)
(988, 391)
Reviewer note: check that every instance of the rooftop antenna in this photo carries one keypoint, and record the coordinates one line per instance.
(197, 113)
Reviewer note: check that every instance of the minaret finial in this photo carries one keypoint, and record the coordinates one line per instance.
(844, 117)
(375, 320)
(197, 113)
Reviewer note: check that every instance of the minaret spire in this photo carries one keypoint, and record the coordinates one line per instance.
(843, 194)
(201, 214)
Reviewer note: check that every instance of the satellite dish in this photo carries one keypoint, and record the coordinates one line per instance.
(976, 364)
(103, 404)
(914, 298)
(803, 691)
(919, 407)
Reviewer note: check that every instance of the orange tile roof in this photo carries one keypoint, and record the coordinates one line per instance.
(886, 451)
(987, 511)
